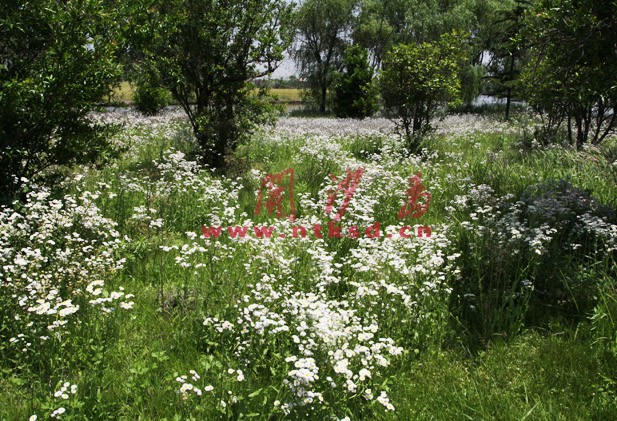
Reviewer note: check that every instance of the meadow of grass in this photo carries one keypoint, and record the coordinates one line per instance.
(115, 306)
(286, 94)
(123, 93)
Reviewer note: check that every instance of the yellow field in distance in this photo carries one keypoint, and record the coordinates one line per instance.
(124, 93)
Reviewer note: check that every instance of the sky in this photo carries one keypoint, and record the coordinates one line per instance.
(286, 69)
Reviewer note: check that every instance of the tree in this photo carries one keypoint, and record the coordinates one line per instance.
(384, 23)
(206, 53)
(321, 30)
(56, 60)
(354, 92)
(570, 77)
(418, 79)
(507, 49)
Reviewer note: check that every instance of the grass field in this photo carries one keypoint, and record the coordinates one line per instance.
(124, 94)
(287, 95)
(114, 304)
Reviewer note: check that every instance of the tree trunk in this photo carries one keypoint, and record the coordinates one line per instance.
(509, 91)
(322, 102)
(508, 102)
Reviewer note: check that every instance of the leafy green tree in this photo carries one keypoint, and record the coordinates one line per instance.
(206, 53)
(354, 91)
(149, 98)
(570, 77)
(507, 49)
(322, 32)
(384, 23)
(418, 79)
(56, 60)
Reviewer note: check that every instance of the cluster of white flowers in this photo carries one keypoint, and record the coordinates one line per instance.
(330, 336)
(65, 389)
(57, 412)
(340, 128)
(175, 180)
(507, 221)
(56, 256)
(186, 388)
(463, 125)
(602, 229)
(140, 131)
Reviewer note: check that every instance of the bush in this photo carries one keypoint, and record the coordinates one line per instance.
(528, 260)
(418, 80)
(150, 99)
(50, 79)
(355, 95)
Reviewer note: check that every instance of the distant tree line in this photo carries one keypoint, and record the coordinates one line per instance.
(291, 82)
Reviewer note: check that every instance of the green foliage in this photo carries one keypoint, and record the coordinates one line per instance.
(321, 27)
(150, 99)
(383, 24)
(508, 50)
(354, 92)
(231, 119)
(471, 83)
(58, 59)
(570, 77)
(205, 52)
(419, 79)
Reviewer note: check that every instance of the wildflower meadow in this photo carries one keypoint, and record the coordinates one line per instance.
(115, 305)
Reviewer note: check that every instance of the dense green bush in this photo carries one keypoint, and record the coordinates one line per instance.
(527, 258)
(57, 60)
(355, 94)
(150, 99)
(418, 80)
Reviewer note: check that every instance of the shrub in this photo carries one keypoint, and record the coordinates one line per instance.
(50, 79)
(354, 93)
(526, 260)
(150, 99)
(419, 79)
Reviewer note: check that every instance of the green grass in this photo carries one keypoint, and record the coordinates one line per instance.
(125, 366)
(535, 376)
(286, 95)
